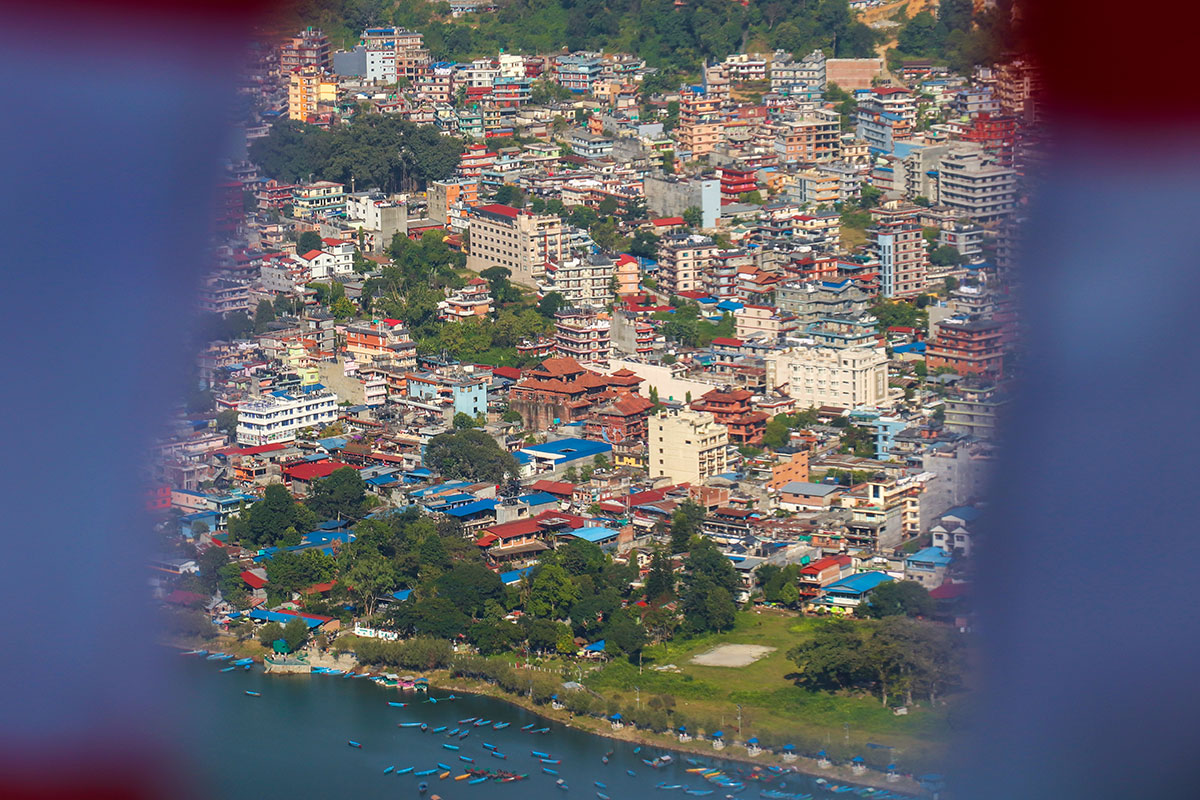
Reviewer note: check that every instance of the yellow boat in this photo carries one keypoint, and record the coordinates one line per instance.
(696, 770)
(444, 775)
(462, 777)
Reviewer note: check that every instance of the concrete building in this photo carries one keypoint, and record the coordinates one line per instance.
(687, 446)
(683, 260)
(810, 301)
(813, 137)
(583, 334)
(841, 364)
(320, 199)
(670, 196)
(307, 88)
(307, 49)
(472, 300)
(279, 416)
(885, 116)
(584, 281)
(980, 189)
(896, 240)
(503, 236)
(804, 79)
(450, 201)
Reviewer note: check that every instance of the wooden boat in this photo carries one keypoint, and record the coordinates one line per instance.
(444, 775)
(462, 777)
(501, 725)
(228, 669)
(404, 771)
(450, 746)
(549, 771)
(353, 743)
(498, 754)
(253, 694)
(407, 724)
(389, 770)
(394, 704)
(467, 759)
(528, 727)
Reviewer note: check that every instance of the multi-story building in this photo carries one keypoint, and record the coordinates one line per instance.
(320, 199)
(734, 408)
(896, 240)
(583, 334)
(812, 300)
(763, 323)
(687, 446)
(670, 196)
(886, 115)
(837, 366)
(737, 182)
(584, 281)
(624, 419)
(279, 416)
(385, 342)
(223, 296)
(997, 135)
(307, 88)
(578, 72)
(967, 346)
(309, 48)
(335, 257)
(1018, 86)
(700, 125)
(803, 79)
(472, 300)
(966, 238)
(746, 67)
(449, 201)
(980, 189)
(503, 236)
(974, 406)
(475, 160)
(886, 511)
(682, 261)
(814, 137)
(720, 277)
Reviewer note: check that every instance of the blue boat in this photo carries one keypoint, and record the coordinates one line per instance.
(228, 669)
(394, 704)
(450, 746)
(600, 785)
(541, 730)
(195, 653)
(527, 727)
(425, 772)
(501, 725)
(602, 796)
(407, 724)
(464, 734)
(489, 746)
(477, 780)
(479, 723)
(404, 771)
(631, 773)
(551, 760)
(637, 750)
(247, 667)
(549, 771)
(333, 672)
(498, 754)
(241, 662)
(698, 792)
(467, 759)
(353, 743)
(424, 727)
(467, 721)
(538, 754)
(253, 694)
(439, 730)
(453, 732)
(389, 770)
(440, 765)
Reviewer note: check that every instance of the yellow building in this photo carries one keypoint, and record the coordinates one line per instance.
(308, 88)
(687, 446)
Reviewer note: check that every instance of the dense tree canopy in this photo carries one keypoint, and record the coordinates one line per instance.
(469, 455)
(375, 150)
(340, 496)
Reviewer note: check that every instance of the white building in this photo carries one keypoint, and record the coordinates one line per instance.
(277, 417)
(585, 281)
(336, 257)
(687, 445)
(840, 365)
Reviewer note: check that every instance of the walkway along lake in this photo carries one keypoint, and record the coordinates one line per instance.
(291, 740)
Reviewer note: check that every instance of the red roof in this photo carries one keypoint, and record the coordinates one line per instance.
(314, 470)
(311, 254)
(692, 294)
(250, 451)
(663, 222)
(562, 488)
(179, 597)
(253, 581)
(497, 208)
(725, 341)
(319, 588)
(512, 373)
(948, 591)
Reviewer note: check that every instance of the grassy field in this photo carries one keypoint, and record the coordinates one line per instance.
(773, 708)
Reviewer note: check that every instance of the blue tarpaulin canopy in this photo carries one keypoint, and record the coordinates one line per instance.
(789, 747)
(595, 647)
(857, 759)
(752, 740)
(718, 735)
(615, 717)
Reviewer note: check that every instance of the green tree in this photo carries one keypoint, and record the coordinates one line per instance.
(692, 216)
(550, 304)
(308, 241)
(660, 582)
(342, 495)
(469, 455)
(264, 315)
(294, 633)
(552, 592)
(342, 308)
(470, 586)
(625, 635)
(269, 633)
(368, 577)
(945, 256)
(898, 598)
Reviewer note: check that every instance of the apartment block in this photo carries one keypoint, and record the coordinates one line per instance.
(279, 416)
(503, 236)
(687, 446)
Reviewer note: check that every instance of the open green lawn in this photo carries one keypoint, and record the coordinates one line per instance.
(773, 708)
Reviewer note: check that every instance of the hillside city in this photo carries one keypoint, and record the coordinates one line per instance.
(538, 359)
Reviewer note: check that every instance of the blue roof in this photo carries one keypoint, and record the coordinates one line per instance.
(441, 487)
(471, 508)
(860, 583)
(912, 347)
(730, 305)
(595, 647)
(333, 442)
(965, 513)
(402, 595)
(513, 576)
(568, 449)
(934, 555)
(537, 499)
(281, 618)
(592, 534)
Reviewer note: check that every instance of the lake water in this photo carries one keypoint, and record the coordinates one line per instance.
(292, 742)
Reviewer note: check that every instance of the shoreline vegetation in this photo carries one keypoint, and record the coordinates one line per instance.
(442, 678)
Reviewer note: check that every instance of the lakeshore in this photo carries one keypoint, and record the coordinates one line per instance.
(440, 679)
